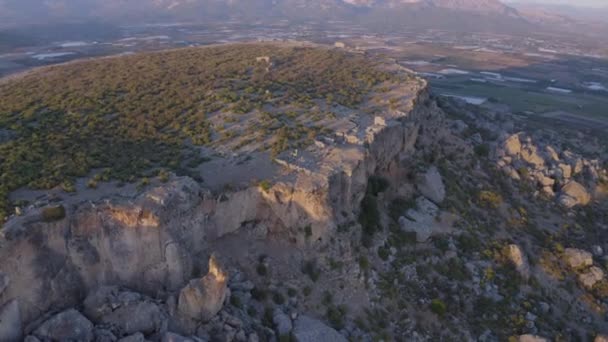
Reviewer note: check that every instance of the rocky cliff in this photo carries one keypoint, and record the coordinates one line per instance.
(158, 240)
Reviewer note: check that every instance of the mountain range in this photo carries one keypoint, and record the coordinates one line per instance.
(457, 15)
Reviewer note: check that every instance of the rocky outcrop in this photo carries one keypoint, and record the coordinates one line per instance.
(307, 329)
(421, 220)
(519, 260)
(203, 298)
(531, 338)
(156, 240)
(126, 311)
(10, 322)
(574, 194)
(591, 277)
(68, 325)
(431, 185)
(577, 258)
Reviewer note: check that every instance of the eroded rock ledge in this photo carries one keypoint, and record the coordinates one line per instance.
(159, 240)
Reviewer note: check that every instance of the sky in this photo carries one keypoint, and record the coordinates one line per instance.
(589, 3)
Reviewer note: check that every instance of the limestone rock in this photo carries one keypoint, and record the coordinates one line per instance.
(282, 322)
(574, 194)
(553, 155)
(10, 322)
(601, 338)
(531, 156)
(128, 311)
(420, 220)
(520, 261)
(203, 298)
(431, 185)
(307, 329)
(137, 337)
(69, 325)
(576, 258)
(532, 338)
(566, 170)
(4, 281)
(172, 337)
(590, 277)
(513, 145)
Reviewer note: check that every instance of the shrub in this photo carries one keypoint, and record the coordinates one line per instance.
(259, 294)
(278, 298)
(489, 199)
(335, 316)
(291, 292)
(265, 185)
(308, 231)
(399, 206)
(438, 307)
(482, 150)
(307, 291)
(236, 301)
(262, 270)
(383, 253)
(363, 263)
(51, 214)
(310, 268)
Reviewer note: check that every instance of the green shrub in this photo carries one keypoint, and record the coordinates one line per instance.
(489, 199)
(438, 307)
(262, 270)
(278, 298)
(50, 214)
(265, 185)
(236, 302)
(310, 268)
(291, 292)
(259, 294)
(383, 253)
(482, 150)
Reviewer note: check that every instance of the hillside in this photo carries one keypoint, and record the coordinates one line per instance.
(269, 192)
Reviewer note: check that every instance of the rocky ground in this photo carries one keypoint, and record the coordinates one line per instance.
(483, 227)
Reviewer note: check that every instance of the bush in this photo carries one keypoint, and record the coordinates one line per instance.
(259, 294)
(310, 268)
(482, 150)
(262, 270)
(383, 253)
(51, 214)
(489, 199)
(278, 298)
(265, 185)
(438, 307)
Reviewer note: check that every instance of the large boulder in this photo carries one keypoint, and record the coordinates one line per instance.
(532, 338)
(10, 322)
(69, 325)
(512, 145)
(421, 220)
(282, 322)
(578, 258)
(203, 298)
(573, 194)
(431, 185)
(307, 329)
(531, 156)
(127, 311)
(517, 257)
(591, 277)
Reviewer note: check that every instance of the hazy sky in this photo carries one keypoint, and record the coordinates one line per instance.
(593, 3)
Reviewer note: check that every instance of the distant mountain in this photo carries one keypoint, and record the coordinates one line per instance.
(461, 15)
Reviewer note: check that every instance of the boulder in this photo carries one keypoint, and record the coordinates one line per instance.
(172, 337)
(127, 311)
(421, 220)
(551, 153)
(532, 338)
(590, 277)
(601, 338)
(4, 281)
(282, 323)
(577, 258)
(10, 322)
(203, 298)
(104, 335)
(512, 145)
(307, 329)
(573, 194)
(566, 170)
(517, 257)
(137, 337)
(69, 325)
(431, 185)
(531, 156)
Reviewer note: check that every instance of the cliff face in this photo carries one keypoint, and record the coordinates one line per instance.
(158, 240)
